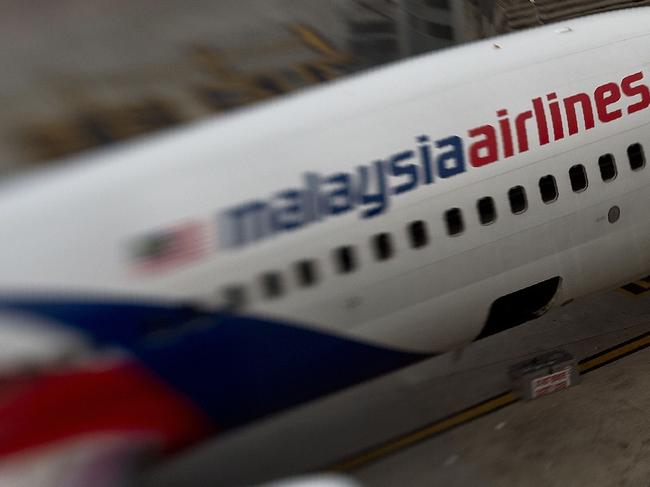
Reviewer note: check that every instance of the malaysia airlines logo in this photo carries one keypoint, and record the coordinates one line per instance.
(370, 188)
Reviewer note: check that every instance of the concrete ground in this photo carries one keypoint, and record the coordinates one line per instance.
(570, 438)
(597, 433)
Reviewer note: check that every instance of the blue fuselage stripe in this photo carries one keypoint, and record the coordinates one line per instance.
(236, 368)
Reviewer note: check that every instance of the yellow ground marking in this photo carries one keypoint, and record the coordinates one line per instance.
(614, 354)
(424, 433)
(644, 284)
(491, 405)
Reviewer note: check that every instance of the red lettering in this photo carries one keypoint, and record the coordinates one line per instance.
(605, 96)
(522, 131)
(483, 152)
(506, 134)
(639, 90)
(556, 117)
(587, 112)
(540, 118)
(487, 144)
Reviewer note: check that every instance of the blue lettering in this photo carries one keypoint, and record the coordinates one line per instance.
(246, 223)
(291, 215)
(410, 171)
(340, 200)
(379, 200)
(341, 192)
(313, 200)
(425, 157)
(451, 162)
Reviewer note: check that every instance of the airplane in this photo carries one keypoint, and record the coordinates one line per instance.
(173, 288)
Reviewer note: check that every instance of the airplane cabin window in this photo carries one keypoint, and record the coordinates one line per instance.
(607, 166)
(383, 246)
(518, 201)
(636, 156)
(272, 285)
(548, 189)
(306, 273)
(578, 177)
(345, 259)
(234, 297)
(454, 220)
(418, 234)
(486, 211)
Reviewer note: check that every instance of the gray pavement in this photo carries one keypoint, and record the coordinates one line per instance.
(316, 435)
(597, 433)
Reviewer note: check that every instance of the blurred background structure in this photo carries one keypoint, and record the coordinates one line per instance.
(80, 75)
(521, 14)
(86, 74)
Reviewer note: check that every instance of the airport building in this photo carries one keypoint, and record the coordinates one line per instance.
(511, 15)
(166, 74)
(380, 31)
(429, 25)
(373, 33)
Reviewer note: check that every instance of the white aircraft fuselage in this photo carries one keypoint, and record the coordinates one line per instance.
(286, 251)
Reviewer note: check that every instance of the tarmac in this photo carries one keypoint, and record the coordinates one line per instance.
(597, 433)
(387, 431)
